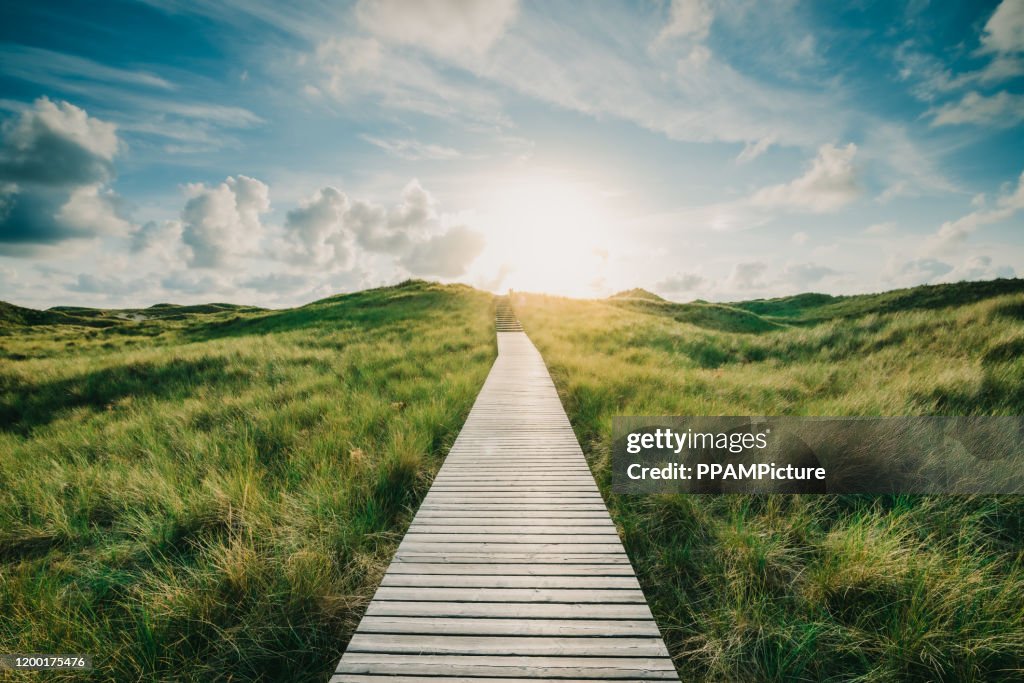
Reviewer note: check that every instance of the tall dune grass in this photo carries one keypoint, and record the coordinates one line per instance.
(214, 494)
(790, 588)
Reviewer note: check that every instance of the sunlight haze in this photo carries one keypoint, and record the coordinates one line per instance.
(252, 152)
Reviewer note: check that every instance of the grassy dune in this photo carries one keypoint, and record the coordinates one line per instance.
(213, 493)
(784, 588)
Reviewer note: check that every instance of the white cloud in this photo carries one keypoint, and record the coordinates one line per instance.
(413, 150)
(953, 233)
(1004, 30)
(55, 163)
(689, 18)
(915, 271)
(1002, 109)
(155, 235)
(57, 144)
(392, 231)
(799, 237)
(315, 230)
(92, 209)
(926, 270)
(906, 166)
(361, 70)
(752, 150)
(448, 28)
(1001, 40)
(446, 255)
(59, 70)
(331, 229)
(222, 222)
(694, 98)
(979, 267)
(829, 184)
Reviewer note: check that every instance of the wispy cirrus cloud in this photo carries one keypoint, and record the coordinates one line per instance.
(954, 233)
(413, 150)
(1001, 110)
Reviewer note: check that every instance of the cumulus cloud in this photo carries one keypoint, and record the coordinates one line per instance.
(55, 163)
(445, 255)
(315, 231)
(393, 231)
(953, 233)
(448, 28)
(829, 184)
(1002, 110)
(221, 222)
(57, 144)
(333, 229)
(155, 234)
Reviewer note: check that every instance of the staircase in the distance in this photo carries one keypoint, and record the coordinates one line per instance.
(505, 318)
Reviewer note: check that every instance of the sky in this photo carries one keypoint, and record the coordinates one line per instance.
(275, 153)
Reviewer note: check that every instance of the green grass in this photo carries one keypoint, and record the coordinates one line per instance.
(213, 493)
(789, 588)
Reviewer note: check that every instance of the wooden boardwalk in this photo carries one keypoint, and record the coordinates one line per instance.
(512, 569)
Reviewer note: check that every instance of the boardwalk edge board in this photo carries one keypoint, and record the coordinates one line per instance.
(512, 569)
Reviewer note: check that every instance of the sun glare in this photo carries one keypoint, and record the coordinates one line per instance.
(547, 233)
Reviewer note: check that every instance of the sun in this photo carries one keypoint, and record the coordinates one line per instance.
(547, 232)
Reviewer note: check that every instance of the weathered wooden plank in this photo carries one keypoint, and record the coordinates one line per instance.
(512, 569)
(605, 596)
(510, 610)
(490, 533)
(507, 645)
(658, 668)
(509, 627)
(506, 558)
(520, 569)
(533, 517)
(508, 581)
(579, 548)
(417, 536)
(387, 678)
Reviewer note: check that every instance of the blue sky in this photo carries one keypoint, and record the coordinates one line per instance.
(258, 153)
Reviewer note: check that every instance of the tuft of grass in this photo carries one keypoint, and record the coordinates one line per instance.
(790, 588)
(213, 493)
